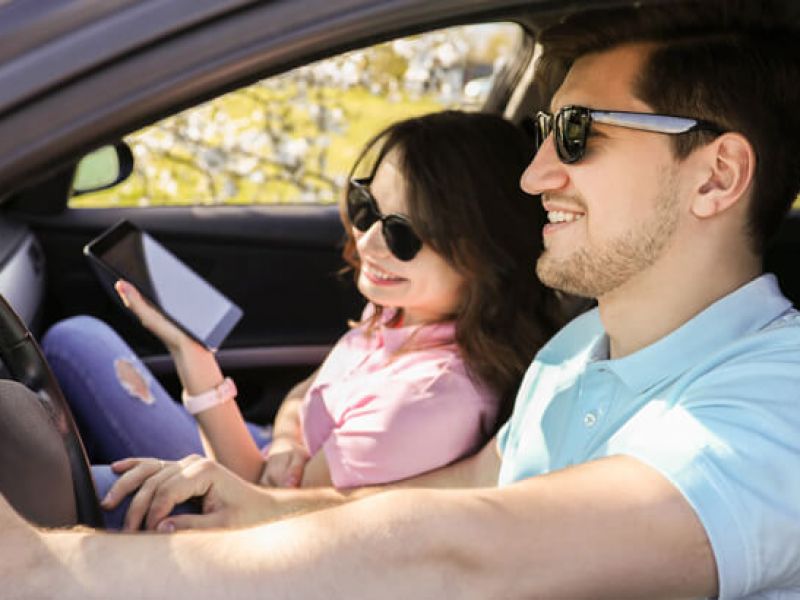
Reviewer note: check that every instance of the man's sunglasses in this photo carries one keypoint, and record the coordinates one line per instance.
(362, 210)
(571, 125)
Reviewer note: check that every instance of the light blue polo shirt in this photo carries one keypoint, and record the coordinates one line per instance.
(714, 406)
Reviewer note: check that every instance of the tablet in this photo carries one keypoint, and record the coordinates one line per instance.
(185, 298)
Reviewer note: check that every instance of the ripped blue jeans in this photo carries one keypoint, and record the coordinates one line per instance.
(121, 410)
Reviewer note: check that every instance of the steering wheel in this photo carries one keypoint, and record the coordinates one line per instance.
(25, 362)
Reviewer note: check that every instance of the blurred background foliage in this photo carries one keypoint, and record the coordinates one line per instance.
(293, 138)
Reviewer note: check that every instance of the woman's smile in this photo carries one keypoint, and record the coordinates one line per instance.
(378, 276)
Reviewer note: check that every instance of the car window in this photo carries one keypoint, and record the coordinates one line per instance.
(292, 138)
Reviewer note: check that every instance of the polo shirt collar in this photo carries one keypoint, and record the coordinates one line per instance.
(746, 310)
(425, 336)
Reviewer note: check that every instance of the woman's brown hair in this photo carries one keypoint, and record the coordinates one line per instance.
(462, 172)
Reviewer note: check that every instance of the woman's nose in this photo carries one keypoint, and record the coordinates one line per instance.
(372, 240)
(545, 173)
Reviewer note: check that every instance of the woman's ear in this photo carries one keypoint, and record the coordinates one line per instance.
(728, 165)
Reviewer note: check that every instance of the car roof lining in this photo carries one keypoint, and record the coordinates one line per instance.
(75, 31)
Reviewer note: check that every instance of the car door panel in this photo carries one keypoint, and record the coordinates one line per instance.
(280, 264)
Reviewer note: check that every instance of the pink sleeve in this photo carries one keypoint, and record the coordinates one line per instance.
(407, 427)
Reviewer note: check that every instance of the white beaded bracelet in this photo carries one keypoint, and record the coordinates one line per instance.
(224, 392)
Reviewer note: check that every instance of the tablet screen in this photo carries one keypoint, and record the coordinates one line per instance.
(182, 295)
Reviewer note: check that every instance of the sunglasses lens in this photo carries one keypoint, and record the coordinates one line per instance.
(571, 127)
(361, 208)
(400, 238)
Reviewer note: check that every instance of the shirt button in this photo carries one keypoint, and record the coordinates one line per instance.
(590, 419)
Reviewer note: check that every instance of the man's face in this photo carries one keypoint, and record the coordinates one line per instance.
(614, 213)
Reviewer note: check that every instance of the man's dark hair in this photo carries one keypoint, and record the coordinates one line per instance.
(733, 63)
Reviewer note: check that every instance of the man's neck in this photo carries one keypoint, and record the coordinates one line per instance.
(651, 306)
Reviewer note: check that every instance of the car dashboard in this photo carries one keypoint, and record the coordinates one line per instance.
(22, 272)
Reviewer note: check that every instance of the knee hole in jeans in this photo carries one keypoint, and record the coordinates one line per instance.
(132, 380)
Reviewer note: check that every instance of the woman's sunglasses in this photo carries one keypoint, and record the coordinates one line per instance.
(362, 210)
(571, 125)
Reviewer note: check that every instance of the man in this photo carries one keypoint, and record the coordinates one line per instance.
(652, 452)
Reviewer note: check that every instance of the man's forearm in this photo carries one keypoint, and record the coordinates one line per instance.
(385, 547)
(479, 470)
(609, 529)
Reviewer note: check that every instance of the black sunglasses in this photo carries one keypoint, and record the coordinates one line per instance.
(572, 124)
(363, 212)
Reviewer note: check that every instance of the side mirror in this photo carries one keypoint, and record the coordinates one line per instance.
(104, 168)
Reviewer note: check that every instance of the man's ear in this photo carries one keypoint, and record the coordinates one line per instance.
(728, 165)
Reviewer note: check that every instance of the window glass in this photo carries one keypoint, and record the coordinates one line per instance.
(293, 138)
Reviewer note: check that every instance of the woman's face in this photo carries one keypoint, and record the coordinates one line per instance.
(427, 288)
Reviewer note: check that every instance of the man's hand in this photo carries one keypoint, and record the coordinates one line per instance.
(227, 500)
(10, 521)
(23, 555)
(286, 462)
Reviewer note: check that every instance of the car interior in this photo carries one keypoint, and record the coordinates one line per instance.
(76, 91)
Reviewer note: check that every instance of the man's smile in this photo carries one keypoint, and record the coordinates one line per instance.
(560, 216)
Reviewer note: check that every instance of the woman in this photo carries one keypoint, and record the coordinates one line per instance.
(442, 242)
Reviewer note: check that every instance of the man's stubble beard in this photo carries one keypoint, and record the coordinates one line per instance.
(594, 272)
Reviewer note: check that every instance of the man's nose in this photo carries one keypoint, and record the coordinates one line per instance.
(546, 173)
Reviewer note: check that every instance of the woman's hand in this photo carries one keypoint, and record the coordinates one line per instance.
(227, 500)
(151, 318)
(286, 462)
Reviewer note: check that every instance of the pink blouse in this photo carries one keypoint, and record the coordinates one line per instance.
(382, 416)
